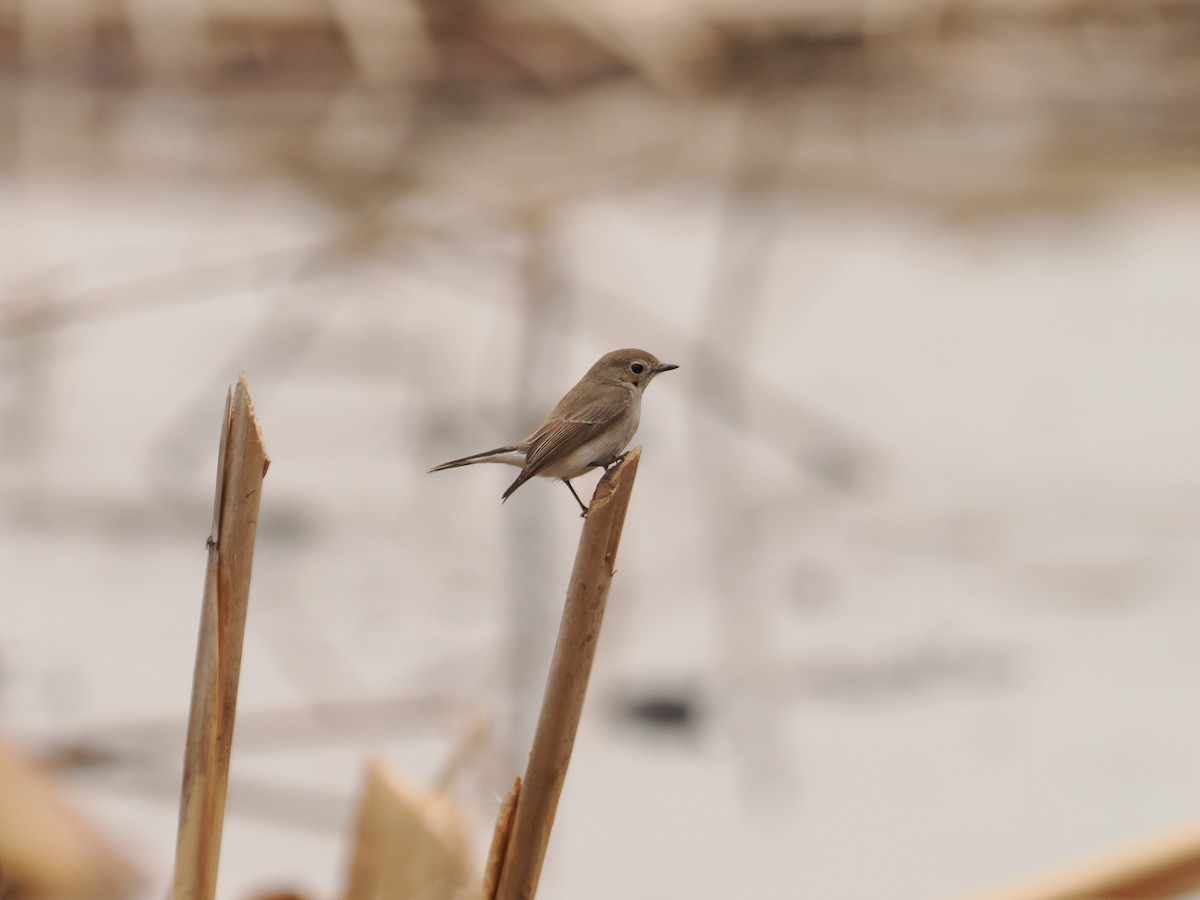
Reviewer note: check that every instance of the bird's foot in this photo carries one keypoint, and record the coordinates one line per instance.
(607, 464)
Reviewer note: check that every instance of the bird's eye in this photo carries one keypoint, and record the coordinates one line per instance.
(637, 368)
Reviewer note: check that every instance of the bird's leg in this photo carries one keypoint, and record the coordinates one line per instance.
(582, 515)
(604, 464)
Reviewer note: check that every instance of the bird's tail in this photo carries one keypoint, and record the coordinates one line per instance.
(525, 475)
(510, 455)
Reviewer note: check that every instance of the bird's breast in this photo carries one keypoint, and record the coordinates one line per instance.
(601, 448)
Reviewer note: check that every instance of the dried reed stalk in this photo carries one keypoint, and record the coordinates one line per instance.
(566, 684)
(241, 464)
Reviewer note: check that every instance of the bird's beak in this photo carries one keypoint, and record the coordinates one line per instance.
(665, 367)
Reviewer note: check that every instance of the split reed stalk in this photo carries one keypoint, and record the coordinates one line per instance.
(242, 462)
(566, 685)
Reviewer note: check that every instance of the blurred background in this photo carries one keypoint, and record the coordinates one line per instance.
(906, 603)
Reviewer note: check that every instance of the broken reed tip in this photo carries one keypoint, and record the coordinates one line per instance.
(612, 479)
(242, 390)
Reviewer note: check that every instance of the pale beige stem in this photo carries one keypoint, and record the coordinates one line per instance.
(46, 848)
(503, 831)
(410, 844)
(1152, 868)
(566, 685)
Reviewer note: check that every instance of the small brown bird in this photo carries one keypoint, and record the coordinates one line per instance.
(589, 428)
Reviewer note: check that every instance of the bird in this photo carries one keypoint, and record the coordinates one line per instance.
(589, 428)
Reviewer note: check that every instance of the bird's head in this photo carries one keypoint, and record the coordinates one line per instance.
(636, 367)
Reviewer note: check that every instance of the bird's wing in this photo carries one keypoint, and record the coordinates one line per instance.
(564, 432)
